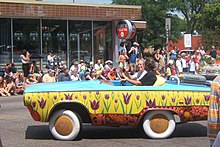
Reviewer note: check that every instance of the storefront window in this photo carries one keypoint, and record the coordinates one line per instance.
(26, 35)
(5, 41)
(54, 38)
(102, 40)
(80, 40)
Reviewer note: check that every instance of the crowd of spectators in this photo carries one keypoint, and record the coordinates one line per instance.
(13, 82)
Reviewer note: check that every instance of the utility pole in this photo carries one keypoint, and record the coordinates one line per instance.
(168, 28)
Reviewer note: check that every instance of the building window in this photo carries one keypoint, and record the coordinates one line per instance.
(80, 38)
(102, 40)
(5, 41)
(26, 35)
(54, 39)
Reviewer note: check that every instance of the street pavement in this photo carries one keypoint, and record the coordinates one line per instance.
(18, 129)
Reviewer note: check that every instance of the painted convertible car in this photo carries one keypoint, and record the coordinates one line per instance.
(66, 105)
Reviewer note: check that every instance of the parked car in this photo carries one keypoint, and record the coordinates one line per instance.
(211, 71)
(157, 109)
(191, 52)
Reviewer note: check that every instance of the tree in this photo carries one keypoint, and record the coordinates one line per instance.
(191, 10)
(211, 24)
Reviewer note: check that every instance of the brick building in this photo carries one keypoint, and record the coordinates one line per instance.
(72, 31)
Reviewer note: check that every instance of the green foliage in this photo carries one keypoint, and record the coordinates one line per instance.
(209, 24)
(191, 9)
(154, 12)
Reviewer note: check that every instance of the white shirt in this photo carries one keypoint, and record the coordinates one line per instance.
(192, 66)
(183, 63)
(50, 58)
(98, 67)
(179, 65)
(22, 60)
(75, 77)
(73, 67)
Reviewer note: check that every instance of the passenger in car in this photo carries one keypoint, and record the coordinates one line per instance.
(145, 76)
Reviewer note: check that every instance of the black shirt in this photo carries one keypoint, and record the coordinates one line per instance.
(213, 53)
(149, 79)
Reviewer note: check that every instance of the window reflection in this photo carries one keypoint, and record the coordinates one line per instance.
(25, 36)
(5, 41)
(54, 38)
(102, 40)
(80, 40)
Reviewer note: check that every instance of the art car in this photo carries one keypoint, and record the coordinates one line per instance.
(156, 109)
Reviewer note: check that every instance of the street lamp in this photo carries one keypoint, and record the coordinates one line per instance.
(168, 28)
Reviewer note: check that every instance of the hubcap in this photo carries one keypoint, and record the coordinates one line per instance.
(159, 123)
(64, 125)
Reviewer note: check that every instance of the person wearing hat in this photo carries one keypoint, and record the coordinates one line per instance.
(49, 76)
(107, 67)
(75, 65)
(133, 56)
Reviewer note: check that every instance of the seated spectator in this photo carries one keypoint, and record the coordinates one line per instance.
(82, 70)
(3, 89)
(8, 70)
(75, 76)
(49, 76)
(31, 79)
(64, 76)
(112, 74)
(19, 84)
(91, 76)
(75, 65)
(63, 65)
(107, 68)
(10, 85)
(98, 65)
(34, 70)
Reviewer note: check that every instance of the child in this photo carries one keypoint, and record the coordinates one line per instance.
(3, 90)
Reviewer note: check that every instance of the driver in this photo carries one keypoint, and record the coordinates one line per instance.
(145, 76)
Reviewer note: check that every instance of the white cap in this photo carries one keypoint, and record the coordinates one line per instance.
(108, 61)
(135, 43)
(171, 62)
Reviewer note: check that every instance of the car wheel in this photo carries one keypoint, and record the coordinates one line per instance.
(65, 125)
(159, 124)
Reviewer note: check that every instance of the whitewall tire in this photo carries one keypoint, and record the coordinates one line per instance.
(159, 124)
(65, 125)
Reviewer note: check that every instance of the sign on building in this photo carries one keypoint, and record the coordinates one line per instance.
(187, 40)
(125, 29)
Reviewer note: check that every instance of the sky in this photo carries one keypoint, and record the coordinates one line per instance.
(83, 1)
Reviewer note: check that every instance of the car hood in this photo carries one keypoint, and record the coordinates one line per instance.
(105, 85)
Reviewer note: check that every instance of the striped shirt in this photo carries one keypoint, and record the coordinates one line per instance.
(214, 110)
